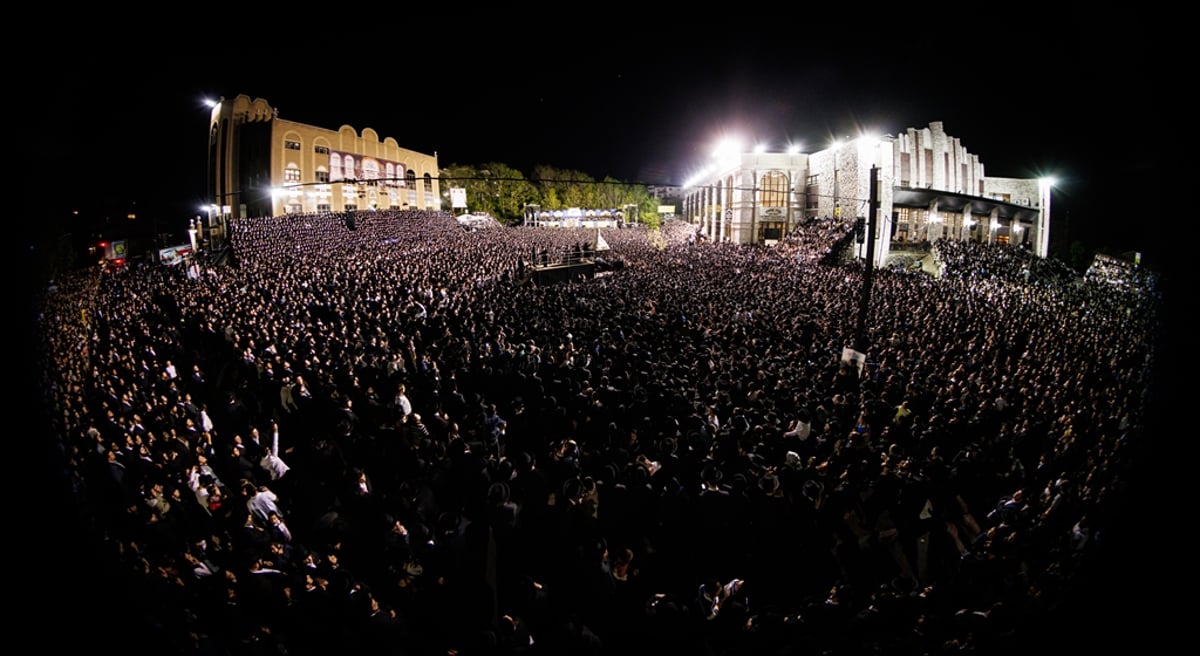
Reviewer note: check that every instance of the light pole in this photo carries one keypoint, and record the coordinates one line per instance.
(193, 228)
(217, 182)
(860, 337)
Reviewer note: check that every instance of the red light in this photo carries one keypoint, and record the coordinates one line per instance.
(103, 244)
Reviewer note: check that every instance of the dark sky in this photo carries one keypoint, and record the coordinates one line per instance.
(1030, 97)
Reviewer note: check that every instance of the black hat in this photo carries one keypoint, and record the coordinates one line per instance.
(498, 493)
(573, 488)
(768, 483)
(711, 474)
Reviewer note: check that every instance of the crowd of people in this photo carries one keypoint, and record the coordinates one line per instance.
(377, 436)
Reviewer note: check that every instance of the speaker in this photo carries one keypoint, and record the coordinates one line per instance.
(351, 221)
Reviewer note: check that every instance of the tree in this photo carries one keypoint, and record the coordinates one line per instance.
(465, 177)
(503, 192)
(610, 193)
(511, 192)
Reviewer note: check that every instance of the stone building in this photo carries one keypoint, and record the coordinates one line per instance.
(928, 187)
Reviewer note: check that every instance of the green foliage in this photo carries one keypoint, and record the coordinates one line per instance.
(550, 200)
(503, 191)
(493, 188)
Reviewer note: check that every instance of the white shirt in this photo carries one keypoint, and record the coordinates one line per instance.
(403, 404)
(802, 430)
(262, 504)
(271, 462)
(274, 466)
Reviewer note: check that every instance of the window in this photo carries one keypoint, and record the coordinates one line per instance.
(291, 145)
(324, 207)
(428, 182)
(812, 193)
(291, 176)
(370, 168)
(773, 190)
(350, 207)
(322, 176)
(411, 179)
(321, 150)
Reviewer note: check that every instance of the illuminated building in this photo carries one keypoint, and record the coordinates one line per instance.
(263, 165)
(930, 187)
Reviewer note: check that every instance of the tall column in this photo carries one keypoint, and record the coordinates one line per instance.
(722, 210)
(712, 213)
(1043, 220)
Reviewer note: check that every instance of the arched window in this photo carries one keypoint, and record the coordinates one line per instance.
(411, 177)
(428, 182)
(773, 188)
(335, 166)
(370, 169)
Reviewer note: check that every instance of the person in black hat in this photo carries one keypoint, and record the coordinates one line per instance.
(502, 513)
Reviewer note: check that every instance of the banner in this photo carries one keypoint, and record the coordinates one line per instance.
(174, 254)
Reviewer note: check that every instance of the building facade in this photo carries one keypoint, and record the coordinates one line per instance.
(928, 187)
(262, 165)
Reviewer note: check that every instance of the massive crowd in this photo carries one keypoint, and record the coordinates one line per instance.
(380, 437)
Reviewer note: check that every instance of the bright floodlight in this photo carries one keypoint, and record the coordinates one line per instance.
(1048, 182)
(698, 177)
(793, 149)
(727, 148)
(760, 147)
(210, 102)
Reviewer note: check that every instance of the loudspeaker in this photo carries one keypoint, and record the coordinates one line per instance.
(351, 221)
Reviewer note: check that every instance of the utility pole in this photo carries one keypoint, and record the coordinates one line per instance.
(860, 337)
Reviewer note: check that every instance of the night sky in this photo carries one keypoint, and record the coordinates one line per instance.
(639, 104)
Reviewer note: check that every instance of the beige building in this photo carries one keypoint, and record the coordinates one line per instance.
(929, 187)
(262, 165)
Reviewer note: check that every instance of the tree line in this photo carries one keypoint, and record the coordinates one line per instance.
(504, 192)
